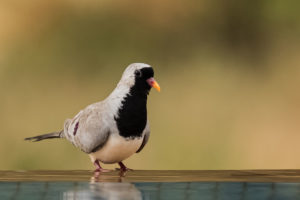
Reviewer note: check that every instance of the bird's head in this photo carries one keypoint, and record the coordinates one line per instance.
(140, 76)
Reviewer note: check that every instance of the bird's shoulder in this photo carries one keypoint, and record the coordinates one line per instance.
(92, 117)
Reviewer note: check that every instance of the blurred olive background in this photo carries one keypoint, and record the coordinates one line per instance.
(229, 72)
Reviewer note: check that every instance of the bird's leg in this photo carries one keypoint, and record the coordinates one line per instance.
(123, 167)
(99, 168)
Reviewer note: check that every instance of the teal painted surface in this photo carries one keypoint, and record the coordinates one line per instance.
(174, 191)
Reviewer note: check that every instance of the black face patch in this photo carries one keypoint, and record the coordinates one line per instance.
(144, 73)
(132, 117)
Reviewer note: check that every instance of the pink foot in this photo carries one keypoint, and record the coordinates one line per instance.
(124, 168)
(102, 170)
(99, 168)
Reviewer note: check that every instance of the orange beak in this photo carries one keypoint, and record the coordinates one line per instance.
(152, 82)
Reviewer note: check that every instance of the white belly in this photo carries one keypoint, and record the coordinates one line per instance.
(116, 149)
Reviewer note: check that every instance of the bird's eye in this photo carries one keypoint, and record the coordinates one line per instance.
(138, 73)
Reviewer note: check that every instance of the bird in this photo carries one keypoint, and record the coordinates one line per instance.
(114, 129)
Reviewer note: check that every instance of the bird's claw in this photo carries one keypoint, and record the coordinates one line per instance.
(124, 169)
(102, 170)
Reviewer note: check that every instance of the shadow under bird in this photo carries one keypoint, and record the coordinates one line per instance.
(111, 130)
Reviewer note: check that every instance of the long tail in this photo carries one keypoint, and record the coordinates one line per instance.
(46, 136)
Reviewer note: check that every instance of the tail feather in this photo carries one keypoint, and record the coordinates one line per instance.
(45, 136)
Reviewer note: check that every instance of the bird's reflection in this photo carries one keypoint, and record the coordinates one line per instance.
(109, 191)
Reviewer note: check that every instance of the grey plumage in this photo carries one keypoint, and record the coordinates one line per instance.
(94, 129)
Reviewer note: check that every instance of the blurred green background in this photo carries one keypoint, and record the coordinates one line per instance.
(229, 72)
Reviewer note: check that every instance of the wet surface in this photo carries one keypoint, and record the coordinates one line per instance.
(231, 185)
(156, 176)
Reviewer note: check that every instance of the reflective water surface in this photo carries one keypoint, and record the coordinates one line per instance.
(211, 185)
(186, 190)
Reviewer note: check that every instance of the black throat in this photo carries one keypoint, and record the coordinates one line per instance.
(132, 116)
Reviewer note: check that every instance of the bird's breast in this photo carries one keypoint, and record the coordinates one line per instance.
(132, 116)
(116, 149)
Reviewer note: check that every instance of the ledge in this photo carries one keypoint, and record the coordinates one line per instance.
(154, 176)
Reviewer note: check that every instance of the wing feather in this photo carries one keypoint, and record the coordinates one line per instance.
(146, 137)
(87, 130)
